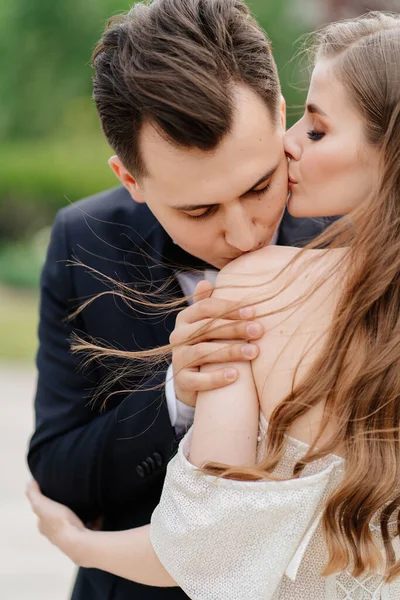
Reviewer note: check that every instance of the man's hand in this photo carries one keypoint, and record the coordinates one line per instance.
(237, 325)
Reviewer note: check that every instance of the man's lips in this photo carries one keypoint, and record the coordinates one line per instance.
(261, 245)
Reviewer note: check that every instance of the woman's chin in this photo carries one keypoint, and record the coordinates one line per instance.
(295, 207)
(299, 208)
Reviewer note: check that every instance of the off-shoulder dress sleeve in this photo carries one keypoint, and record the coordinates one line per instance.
(220, 538)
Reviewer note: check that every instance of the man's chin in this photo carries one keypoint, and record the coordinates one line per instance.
(222, 262)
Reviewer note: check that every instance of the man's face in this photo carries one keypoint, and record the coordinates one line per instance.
(217, 205)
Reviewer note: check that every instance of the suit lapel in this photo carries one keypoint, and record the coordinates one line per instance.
(147, 273)
(150, 260)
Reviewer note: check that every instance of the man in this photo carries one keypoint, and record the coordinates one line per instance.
(189, 99)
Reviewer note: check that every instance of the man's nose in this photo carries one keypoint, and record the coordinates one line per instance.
(241, 233)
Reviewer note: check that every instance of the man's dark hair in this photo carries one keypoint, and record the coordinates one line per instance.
(174, 64)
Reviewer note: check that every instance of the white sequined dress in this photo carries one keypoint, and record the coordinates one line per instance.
(232, 540)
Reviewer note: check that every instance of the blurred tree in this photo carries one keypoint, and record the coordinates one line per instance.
(284, 23)
(46, 47)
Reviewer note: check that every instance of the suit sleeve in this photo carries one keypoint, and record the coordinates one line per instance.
(90, 460)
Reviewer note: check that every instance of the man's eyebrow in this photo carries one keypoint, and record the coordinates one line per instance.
(267, 175)
(313, 109)
(191, 207)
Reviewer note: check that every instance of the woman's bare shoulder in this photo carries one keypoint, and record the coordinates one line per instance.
(269, 261)
(266, 259)
(276, 268)
(273, 259)
(255, 273)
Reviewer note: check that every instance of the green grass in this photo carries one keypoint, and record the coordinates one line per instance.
(18, 323)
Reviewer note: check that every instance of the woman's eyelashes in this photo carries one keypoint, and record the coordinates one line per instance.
(315, 136)
(213, 209)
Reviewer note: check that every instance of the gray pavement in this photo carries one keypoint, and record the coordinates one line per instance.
(30, 567)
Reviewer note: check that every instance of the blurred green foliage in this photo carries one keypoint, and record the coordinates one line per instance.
(52, 150)
(48, 45)
(18, 324)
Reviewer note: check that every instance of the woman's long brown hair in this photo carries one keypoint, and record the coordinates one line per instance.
(357, 373)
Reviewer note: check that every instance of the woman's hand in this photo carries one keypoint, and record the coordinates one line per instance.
(128, 554)
(58, 523)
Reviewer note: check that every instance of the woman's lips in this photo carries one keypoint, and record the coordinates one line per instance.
(291, 183)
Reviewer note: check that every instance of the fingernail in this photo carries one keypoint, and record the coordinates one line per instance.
(253, 330)
(230, 374)
(246, 313)
(249, 350)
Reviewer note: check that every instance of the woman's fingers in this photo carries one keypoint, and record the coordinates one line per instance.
(53, 516)
(57, 522)
(34, 496)
(45, 509)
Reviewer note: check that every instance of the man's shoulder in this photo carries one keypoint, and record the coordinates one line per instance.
(113, 204)
(107, 214)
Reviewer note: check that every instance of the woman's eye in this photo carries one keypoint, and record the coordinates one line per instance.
(315, 136)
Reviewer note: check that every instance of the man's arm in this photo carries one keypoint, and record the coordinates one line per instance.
(89, 460)
(225, 430)
(93, 461)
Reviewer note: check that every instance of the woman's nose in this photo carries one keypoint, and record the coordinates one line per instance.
(291, 144)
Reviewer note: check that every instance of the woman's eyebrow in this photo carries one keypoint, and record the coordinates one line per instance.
(313, 109)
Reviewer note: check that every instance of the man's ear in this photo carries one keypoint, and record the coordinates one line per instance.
(283, 113)
(129, 182)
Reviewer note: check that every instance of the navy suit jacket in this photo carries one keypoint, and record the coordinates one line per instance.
(109, 463)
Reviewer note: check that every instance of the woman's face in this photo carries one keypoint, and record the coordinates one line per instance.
(332, 167)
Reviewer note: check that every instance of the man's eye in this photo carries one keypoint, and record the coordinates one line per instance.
(262, 191)
(203, 215)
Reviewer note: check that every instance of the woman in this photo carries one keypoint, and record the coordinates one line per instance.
(287, 486)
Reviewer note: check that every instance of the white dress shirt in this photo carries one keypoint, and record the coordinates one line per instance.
(181, 415)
